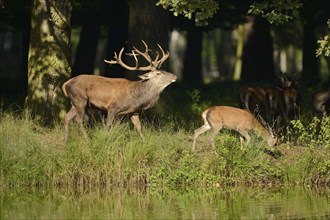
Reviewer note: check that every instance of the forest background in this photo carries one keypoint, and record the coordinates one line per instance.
(215, 48)
(43, 43)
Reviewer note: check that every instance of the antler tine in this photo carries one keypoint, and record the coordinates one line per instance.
(115, 57)
(135, 52)
(145, 54)
(165, 56)
(117, 60)
(156, 59)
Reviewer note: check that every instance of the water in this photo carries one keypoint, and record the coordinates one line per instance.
(227, 203)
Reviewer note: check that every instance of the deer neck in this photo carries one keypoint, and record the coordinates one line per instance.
(259, 128)
(145, 92)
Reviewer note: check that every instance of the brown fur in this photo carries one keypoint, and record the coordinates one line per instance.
(116, 96)
(321, 102)
(218, 117)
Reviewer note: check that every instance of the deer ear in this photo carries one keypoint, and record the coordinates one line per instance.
(145, 76)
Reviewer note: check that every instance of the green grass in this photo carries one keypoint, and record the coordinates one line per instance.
(34, 155)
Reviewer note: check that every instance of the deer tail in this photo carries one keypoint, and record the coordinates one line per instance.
(64, 87)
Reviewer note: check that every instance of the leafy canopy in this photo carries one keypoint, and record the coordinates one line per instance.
(276, 11)
(201, 10)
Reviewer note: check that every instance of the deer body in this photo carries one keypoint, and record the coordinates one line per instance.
(252, 98)
(117, 96)
(273, 106)
(321, 102)
(291, 104)
(218, 117)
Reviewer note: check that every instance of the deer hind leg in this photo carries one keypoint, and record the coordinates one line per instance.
(81, 108)
(198, 132)
(137, 124)
(68, 117)
(215, 131)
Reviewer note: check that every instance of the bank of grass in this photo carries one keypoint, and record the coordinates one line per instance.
(33, 155)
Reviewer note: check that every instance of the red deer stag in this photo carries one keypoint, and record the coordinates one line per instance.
(240, 120)
(273, 99)
(118, 96)
(321, 102)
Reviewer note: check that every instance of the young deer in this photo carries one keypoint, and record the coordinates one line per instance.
(240, 120)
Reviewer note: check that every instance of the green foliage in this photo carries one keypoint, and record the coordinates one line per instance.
(200, 10)
(315, 165)
(313, 134)
(32, 155)
(324, 45)
(277, 11)
(197, 106)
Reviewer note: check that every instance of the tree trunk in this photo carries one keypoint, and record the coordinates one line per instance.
(311, 73)
(239, 52)
(257, 60)
(192, 64)
(49, 57)
(150, 23)
(86, 50)
(117, 36)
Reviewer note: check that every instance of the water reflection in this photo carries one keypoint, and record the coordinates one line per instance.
(228, 203)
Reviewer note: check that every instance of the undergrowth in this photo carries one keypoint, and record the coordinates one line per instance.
(34, 155)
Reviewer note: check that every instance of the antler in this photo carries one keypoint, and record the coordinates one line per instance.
(153, 64)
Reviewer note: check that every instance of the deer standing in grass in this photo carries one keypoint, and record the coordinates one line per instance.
(321, 102)
(217, 117)
(281, 100)
(118, 96)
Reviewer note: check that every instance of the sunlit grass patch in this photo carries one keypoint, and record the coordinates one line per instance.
(33, 155)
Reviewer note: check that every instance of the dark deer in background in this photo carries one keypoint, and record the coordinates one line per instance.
(118, 96)
(277, 105)
(253, 99)
(283, 101)
(321, 102)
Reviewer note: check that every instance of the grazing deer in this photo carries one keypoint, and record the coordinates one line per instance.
(241, 120)
(118, 96)
(321, 102)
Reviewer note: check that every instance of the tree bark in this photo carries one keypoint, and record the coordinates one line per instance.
(86, 50)
(150, 23)
(257, 60)
(192, 64)
(117, 36)
(311, 73)
(49, 57)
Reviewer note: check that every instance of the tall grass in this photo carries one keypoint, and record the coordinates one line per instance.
(33, 155)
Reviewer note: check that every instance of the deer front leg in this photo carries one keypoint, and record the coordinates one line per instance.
(137, 124)
(110, 117)
(246, 136)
